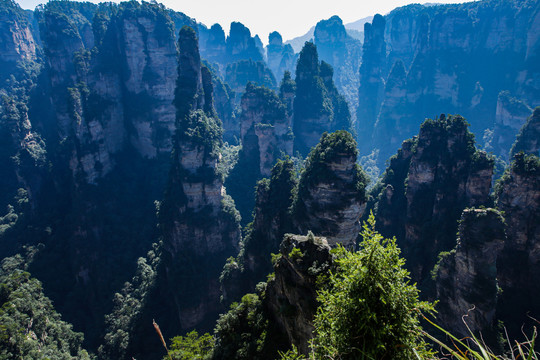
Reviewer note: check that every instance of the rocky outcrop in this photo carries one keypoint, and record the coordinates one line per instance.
(240, 45)
(510, 116)
(213, 48)
(444, 174)
(458, 58)
(342, 52)
(318, 107)
(331, 192)
(331, 199)
(280, 57)
(272, 219)
(491, 273)
(17, 42)
(466, 277)
(239, 73)
(371, 80)
(198, 221)
(528, 139)
(264, 117)
(292, 293)
(128, 76)
(266, 135)
(518, 196)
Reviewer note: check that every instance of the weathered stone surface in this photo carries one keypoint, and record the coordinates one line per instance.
(457, 59)
(331, 195)
(265, 120)
(445, 173)
(528, 139)
(318, 107)
(343, 52)
(292, 294)
(510, 116)
(467, 277)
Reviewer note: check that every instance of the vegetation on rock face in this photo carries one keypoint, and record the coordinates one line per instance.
(261, 109)
(30, 328)
(239, 73)
(528, 139)
(191, 347)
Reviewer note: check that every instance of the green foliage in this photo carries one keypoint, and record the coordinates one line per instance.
(524, 165)
(241, 333)
(296, 254)
(191, 347)
(203, 130)
(122, 323)
(474, 348)
(30, 328)
(330, 149)
(370, 310)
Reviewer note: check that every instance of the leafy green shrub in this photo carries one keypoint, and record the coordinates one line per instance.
(369, 310)
(191, 347)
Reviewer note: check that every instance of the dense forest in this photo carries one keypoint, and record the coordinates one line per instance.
(168, 190)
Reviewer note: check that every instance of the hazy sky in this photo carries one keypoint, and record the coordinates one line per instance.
(290, 17)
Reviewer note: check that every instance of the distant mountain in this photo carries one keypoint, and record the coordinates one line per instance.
(358, 25)
(354, 29)
(298, 42)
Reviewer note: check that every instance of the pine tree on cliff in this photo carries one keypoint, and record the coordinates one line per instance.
(318, 107)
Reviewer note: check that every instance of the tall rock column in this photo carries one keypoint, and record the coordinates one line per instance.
(198, 220)
(467, 276)
(371, 80)
(518, 196)
(318, 107)
(331, 193)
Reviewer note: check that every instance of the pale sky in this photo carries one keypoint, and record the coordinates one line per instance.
(291, 18)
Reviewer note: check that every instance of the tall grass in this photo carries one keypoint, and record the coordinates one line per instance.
(474, 348)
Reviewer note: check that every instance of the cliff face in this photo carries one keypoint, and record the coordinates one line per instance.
(119, 94)
(317, 105)
(196, 191)
(495, 263)
(264, 117)
(518, 195)
(239, 73)
(150, 56)
(280, 57)
(19, 68)
(458, 58)
(266, 134)
(371, 80)
(467, 276)
(17, 41)
(444, 175)
(331, 192)
(510, 116)
(292, 294)
(342, 52)
(528, 139)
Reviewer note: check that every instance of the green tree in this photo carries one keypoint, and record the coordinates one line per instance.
(369, 309)
(191, 347)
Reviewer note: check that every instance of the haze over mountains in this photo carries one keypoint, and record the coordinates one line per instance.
(156, 168)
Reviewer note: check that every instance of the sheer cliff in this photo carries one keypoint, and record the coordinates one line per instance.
(457, 58)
